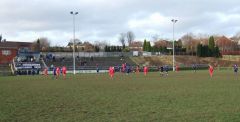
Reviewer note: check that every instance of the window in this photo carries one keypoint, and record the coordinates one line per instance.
(6, 52)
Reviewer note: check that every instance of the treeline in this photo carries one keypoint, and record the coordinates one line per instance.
(161, 46)
(189, 44)
(205, 51)
(69, 49)
(113, 49)
(209, 50)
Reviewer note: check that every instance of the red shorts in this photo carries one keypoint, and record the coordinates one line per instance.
(64, 72)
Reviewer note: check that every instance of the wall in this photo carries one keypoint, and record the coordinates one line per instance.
(7, 57)
(89, 54)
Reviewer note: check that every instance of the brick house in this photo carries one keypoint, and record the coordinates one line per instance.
(9, 50)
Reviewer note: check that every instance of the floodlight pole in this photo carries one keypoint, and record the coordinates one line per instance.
(74, 64)
(173, 21)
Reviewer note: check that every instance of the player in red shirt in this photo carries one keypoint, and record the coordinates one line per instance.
(137, 69)
(123, 68)
(111, 71)
(58, 72)
(64, 72)
(145, 70)
(45, 71)
(210, 70)
(177, 68)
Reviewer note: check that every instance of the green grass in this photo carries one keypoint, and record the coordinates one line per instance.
(182, 96)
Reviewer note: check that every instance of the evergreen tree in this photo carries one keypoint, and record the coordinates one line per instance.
(124, 46)
(148, 46)
(110, 48)
(118, 48)
(217, 51)
(144, 45)
(155, 49)
(38, 44)
(160, 49)
(1, 38)
(96, 48)
(206, 51)
(211, 45)
(199, 50)
(105, 48)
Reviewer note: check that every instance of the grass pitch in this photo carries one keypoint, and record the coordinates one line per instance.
(182, 96)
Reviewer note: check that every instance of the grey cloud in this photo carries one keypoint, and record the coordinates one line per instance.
(105, 19)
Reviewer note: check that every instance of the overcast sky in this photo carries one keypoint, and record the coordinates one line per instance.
(98, 20)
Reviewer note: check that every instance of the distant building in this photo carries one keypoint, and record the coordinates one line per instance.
(228, 46)
(86, 46)
(9, 50)
(136, 46)
(225, 44)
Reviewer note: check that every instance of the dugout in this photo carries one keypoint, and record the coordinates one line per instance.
(27, 62)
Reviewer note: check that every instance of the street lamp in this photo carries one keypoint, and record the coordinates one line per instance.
(74, 64)
(173, 21)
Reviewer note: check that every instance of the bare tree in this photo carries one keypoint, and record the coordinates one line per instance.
(122, 39)
(130, 37)
(190, 42)
(77, 41)
(41, 44)
(236, 39)
(187, 38)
